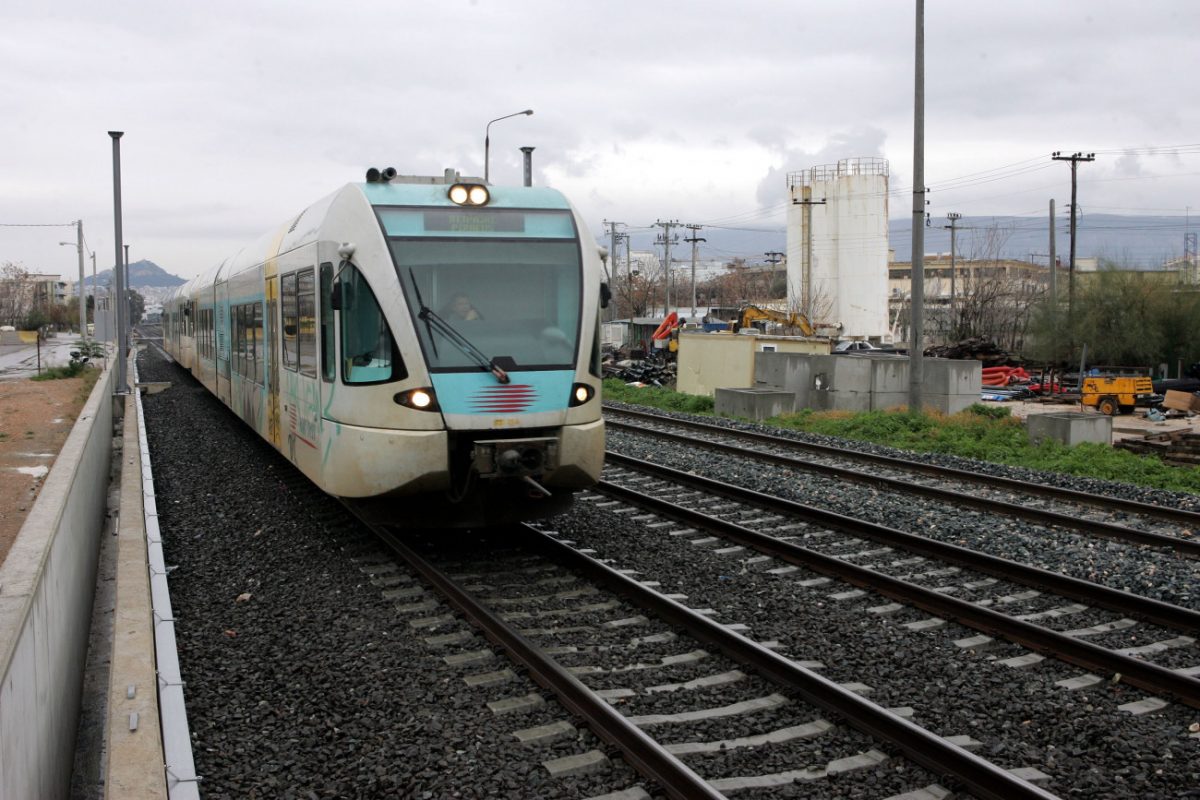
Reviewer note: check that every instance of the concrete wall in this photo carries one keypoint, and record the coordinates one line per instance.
(46, 588)
(867, 383)
(708, 361)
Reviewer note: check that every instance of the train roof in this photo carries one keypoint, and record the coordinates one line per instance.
(306, 226)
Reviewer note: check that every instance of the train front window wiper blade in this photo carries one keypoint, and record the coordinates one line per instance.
(434, 322)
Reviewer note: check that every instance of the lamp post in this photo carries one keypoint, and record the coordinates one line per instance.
(78, 244)
(487, 143)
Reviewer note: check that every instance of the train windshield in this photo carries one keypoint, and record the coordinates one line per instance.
(516, 300)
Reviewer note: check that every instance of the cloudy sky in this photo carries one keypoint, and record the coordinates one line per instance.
(239, 113)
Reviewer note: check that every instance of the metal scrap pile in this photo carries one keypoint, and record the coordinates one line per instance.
(978, 349)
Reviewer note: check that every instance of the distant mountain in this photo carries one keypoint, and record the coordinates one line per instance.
(1137, 242)
(142, 274)
(1142, 242)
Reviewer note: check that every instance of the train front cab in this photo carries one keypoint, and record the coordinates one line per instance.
(512, 385)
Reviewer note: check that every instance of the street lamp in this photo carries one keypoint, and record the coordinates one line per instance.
(487, 138)
(78, 245)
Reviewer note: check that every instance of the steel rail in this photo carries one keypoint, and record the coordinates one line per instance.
(1148, 609)
(1075, 651)
(1109, 530)
(647, 756)
(1164, 513)
(983, 778)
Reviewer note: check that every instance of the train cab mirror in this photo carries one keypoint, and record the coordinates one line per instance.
(335, 296)
(605, 295)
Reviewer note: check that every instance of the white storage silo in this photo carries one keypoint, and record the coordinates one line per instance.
(837, 241)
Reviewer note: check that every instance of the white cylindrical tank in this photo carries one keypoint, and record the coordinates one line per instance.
(837, 241)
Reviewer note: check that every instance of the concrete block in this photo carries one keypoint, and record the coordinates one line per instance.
(754, 404)
(1070, 427)
(953, 376)
(949, 403)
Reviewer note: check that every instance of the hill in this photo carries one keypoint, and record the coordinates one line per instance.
(142, 274)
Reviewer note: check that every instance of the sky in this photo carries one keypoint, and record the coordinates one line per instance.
(236, 115)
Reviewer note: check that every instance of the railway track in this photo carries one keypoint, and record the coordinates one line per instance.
(747, 518)
(1117, 518)
(498, 598)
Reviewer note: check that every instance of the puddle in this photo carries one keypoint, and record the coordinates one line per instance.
(36, 472)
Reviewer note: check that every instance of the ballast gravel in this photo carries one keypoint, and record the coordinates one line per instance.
(302, 679)
(1082, 739)
(1134, 568)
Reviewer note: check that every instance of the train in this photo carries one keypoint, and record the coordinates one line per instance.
(424, 348)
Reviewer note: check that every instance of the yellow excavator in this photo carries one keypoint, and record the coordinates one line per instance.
(750, 314)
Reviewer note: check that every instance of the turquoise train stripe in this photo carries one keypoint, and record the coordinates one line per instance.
(525, 393)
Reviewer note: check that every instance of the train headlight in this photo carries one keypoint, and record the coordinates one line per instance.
(469, 194)
(419, 399)
(581, 393)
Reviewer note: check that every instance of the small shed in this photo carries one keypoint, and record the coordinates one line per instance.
(708, 361)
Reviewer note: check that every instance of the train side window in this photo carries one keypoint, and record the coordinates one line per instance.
(291, 321)
(239, 340)
(328, 364)
(256, 336)
(369, 353)
(307, 333)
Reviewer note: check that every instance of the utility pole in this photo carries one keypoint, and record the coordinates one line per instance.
(954, 217)
(125, 304)
(613, 236)
(1053, 266)
(122, 386)
(666, 239)
(916, 346)
(1074, 158)
(806, 290)
(82, 299)
(694, 239)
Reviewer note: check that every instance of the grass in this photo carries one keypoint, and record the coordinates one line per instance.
(984, 432)
(59, 373)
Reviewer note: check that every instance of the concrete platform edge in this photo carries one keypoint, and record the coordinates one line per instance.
(46, 588)
(179, 764)
(133, 739)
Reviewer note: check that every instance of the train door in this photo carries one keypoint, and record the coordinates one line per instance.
(273, 342)
(222, 332)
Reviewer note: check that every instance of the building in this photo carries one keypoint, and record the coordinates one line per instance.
(837, 246)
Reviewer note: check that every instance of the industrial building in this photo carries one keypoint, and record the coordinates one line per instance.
(837, 246)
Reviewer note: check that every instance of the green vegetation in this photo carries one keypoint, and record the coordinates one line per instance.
(71, 370)
(988, 433)
(653, 396)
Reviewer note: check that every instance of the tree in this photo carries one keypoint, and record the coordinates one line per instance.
(1125, 318)
(137, 306)
(16, 297)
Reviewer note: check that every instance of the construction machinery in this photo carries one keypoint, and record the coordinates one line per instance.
(1117, 394)
(750, 314)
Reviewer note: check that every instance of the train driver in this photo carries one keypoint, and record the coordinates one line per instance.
(460, 307)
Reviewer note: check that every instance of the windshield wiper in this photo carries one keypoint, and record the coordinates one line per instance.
(433, 322)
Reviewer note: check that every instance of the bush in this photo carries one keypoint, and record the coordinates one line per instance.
(991, 412)
(72, 370)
